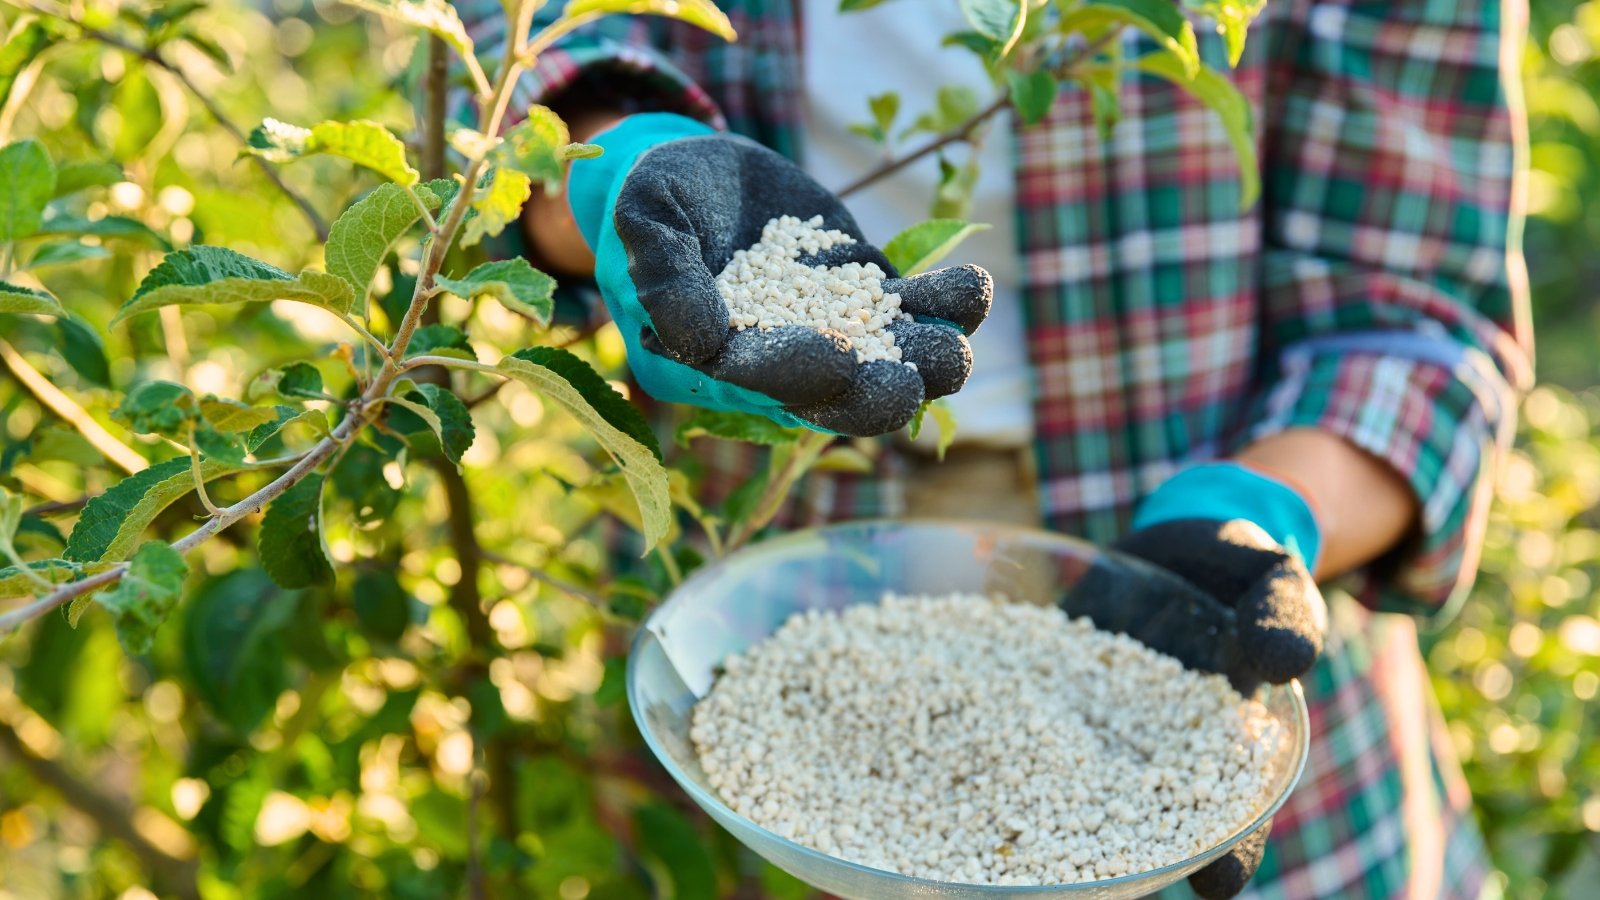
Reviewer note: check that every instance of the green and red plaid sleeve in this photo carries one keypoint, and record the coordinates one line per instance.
(1393, 287)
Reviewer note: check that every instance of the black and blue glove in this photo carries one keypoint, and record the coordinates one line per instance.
(665, 208)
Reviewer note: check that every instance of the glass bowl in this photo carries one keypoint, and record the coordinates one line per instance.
(729, 605)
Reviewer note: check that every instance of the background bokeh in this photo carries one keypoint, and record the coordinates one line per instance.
(279, 743)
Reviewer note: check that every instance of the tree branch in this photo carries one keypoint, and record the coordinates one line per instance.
(173, 875)
(965, 129)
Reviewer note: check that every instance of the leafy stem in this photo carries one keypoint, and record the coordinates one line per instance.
(789, 462)
(200, 476)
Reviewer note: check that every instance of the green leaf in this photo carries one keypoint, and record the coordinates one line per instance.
(517, 285)
(14, 298)
(383, 608)
(232, 417)
(618, 426)
(292, 546)
(72, 177)
(65, 253)
(582, 151)
(445, 415)
(301, 380)
(233, 650)
(147, 592)
(1032, 93)
(1214, 90)
(670, 839)
(81, 347)
(362, 142)
(436, 16)
(912, 251)
(955, 105)
(359, 479)
(157, 407)
(535, 146)
(953, 198)
(1233, 18)
(1000, 20)
(286, 416)
(28, 38)
(107, 228)
(111, 523)
(440, 340)
(14, 582)
(10, 516)
(201, 275)
(497, 205)
(699, 13)
(1160, 19)
(360, 238)
(27, 182)
(735, 426)
(986, 47)
(853, 5)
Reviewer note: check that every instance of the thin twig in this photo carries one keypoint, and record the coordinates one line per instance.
(538, 574)
(965, 130)
(126, 458)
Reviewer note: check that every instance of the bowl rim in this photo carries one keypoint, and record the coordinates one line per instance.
(710, 801)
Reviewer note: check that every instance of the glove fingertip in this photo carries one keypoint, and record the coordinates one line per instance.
(883, 398)
(1226, 876)
(961, 295)
(943, 356)
(1277, 625)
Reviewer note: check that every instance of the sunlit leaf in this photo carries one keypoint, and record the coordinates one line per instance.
(27, 182)
(112, 522)
(700, 13)
(1233, 18)
(999, 20)
(497, 205)
(1032, 93)
(292, 545)
(535, 147)
(1160, 19)
(1217, 92)
(436, 16)
(28, 38)
(232, 417)
(14, 298)
(516, 284)
(202, 275)
(141, 600)
(362, 142)
(917, 248)
(361, 237)
(16, 583)
(614, 423)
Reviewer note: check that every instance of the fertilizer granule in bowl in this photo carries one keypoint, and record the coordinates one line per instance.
(963, 738)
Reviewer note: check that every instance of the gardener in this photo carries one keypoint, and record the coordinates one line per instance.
(1336, 365)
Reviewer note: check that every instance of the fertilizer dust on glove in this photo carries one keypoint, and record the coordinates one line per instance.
(963, 738)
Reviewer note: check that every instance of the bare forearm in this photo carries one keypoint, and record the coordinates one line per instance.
(1363, 506)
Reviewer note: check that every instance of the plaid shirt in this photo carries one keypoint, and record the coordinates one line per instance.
(1376, 292)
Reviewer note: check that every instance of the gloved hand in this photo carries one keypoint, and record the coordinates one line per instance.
(665, 208)
(1225, 529)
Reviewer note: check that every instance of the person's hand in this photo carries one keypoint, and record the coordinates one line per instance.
(665, 208)
(1270, 623)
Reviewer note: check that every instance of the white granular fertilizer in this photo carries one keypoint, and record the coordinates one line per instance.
(962, 738)
(766, 286)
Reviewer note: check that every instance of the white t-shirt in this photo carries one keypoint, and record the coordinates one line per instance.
(852, 56)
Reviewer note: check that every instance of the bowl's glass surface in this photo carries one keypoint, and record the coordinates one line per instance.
(728, 606)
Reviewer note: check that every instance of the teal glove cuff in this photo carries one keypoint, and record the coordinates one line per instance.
(1227, 490)
(594, 184)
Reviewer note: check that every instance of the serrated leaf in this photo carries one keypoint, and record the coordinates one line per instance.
(157, 407)
(444, 414)
(14, 582)
(292, 546)
(1000, 20)
(436, 16)
(1219, 94)
(27, 182)
(700, 13)
(735, 426)
(363, 142)
(217, 275)
(912, 251)
(65, 253)
(1161, 20)
(105, 228)
(301, 380)
(1032, 93)
(361, 237)
(83, 350)
(72, 177)
(112, 522)
(534, 147)
(517, 285)
(440, 340)
(232, 417)
(286, 416)
(616, 425)
(148, 591)
(497, 205)
(14, 298)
